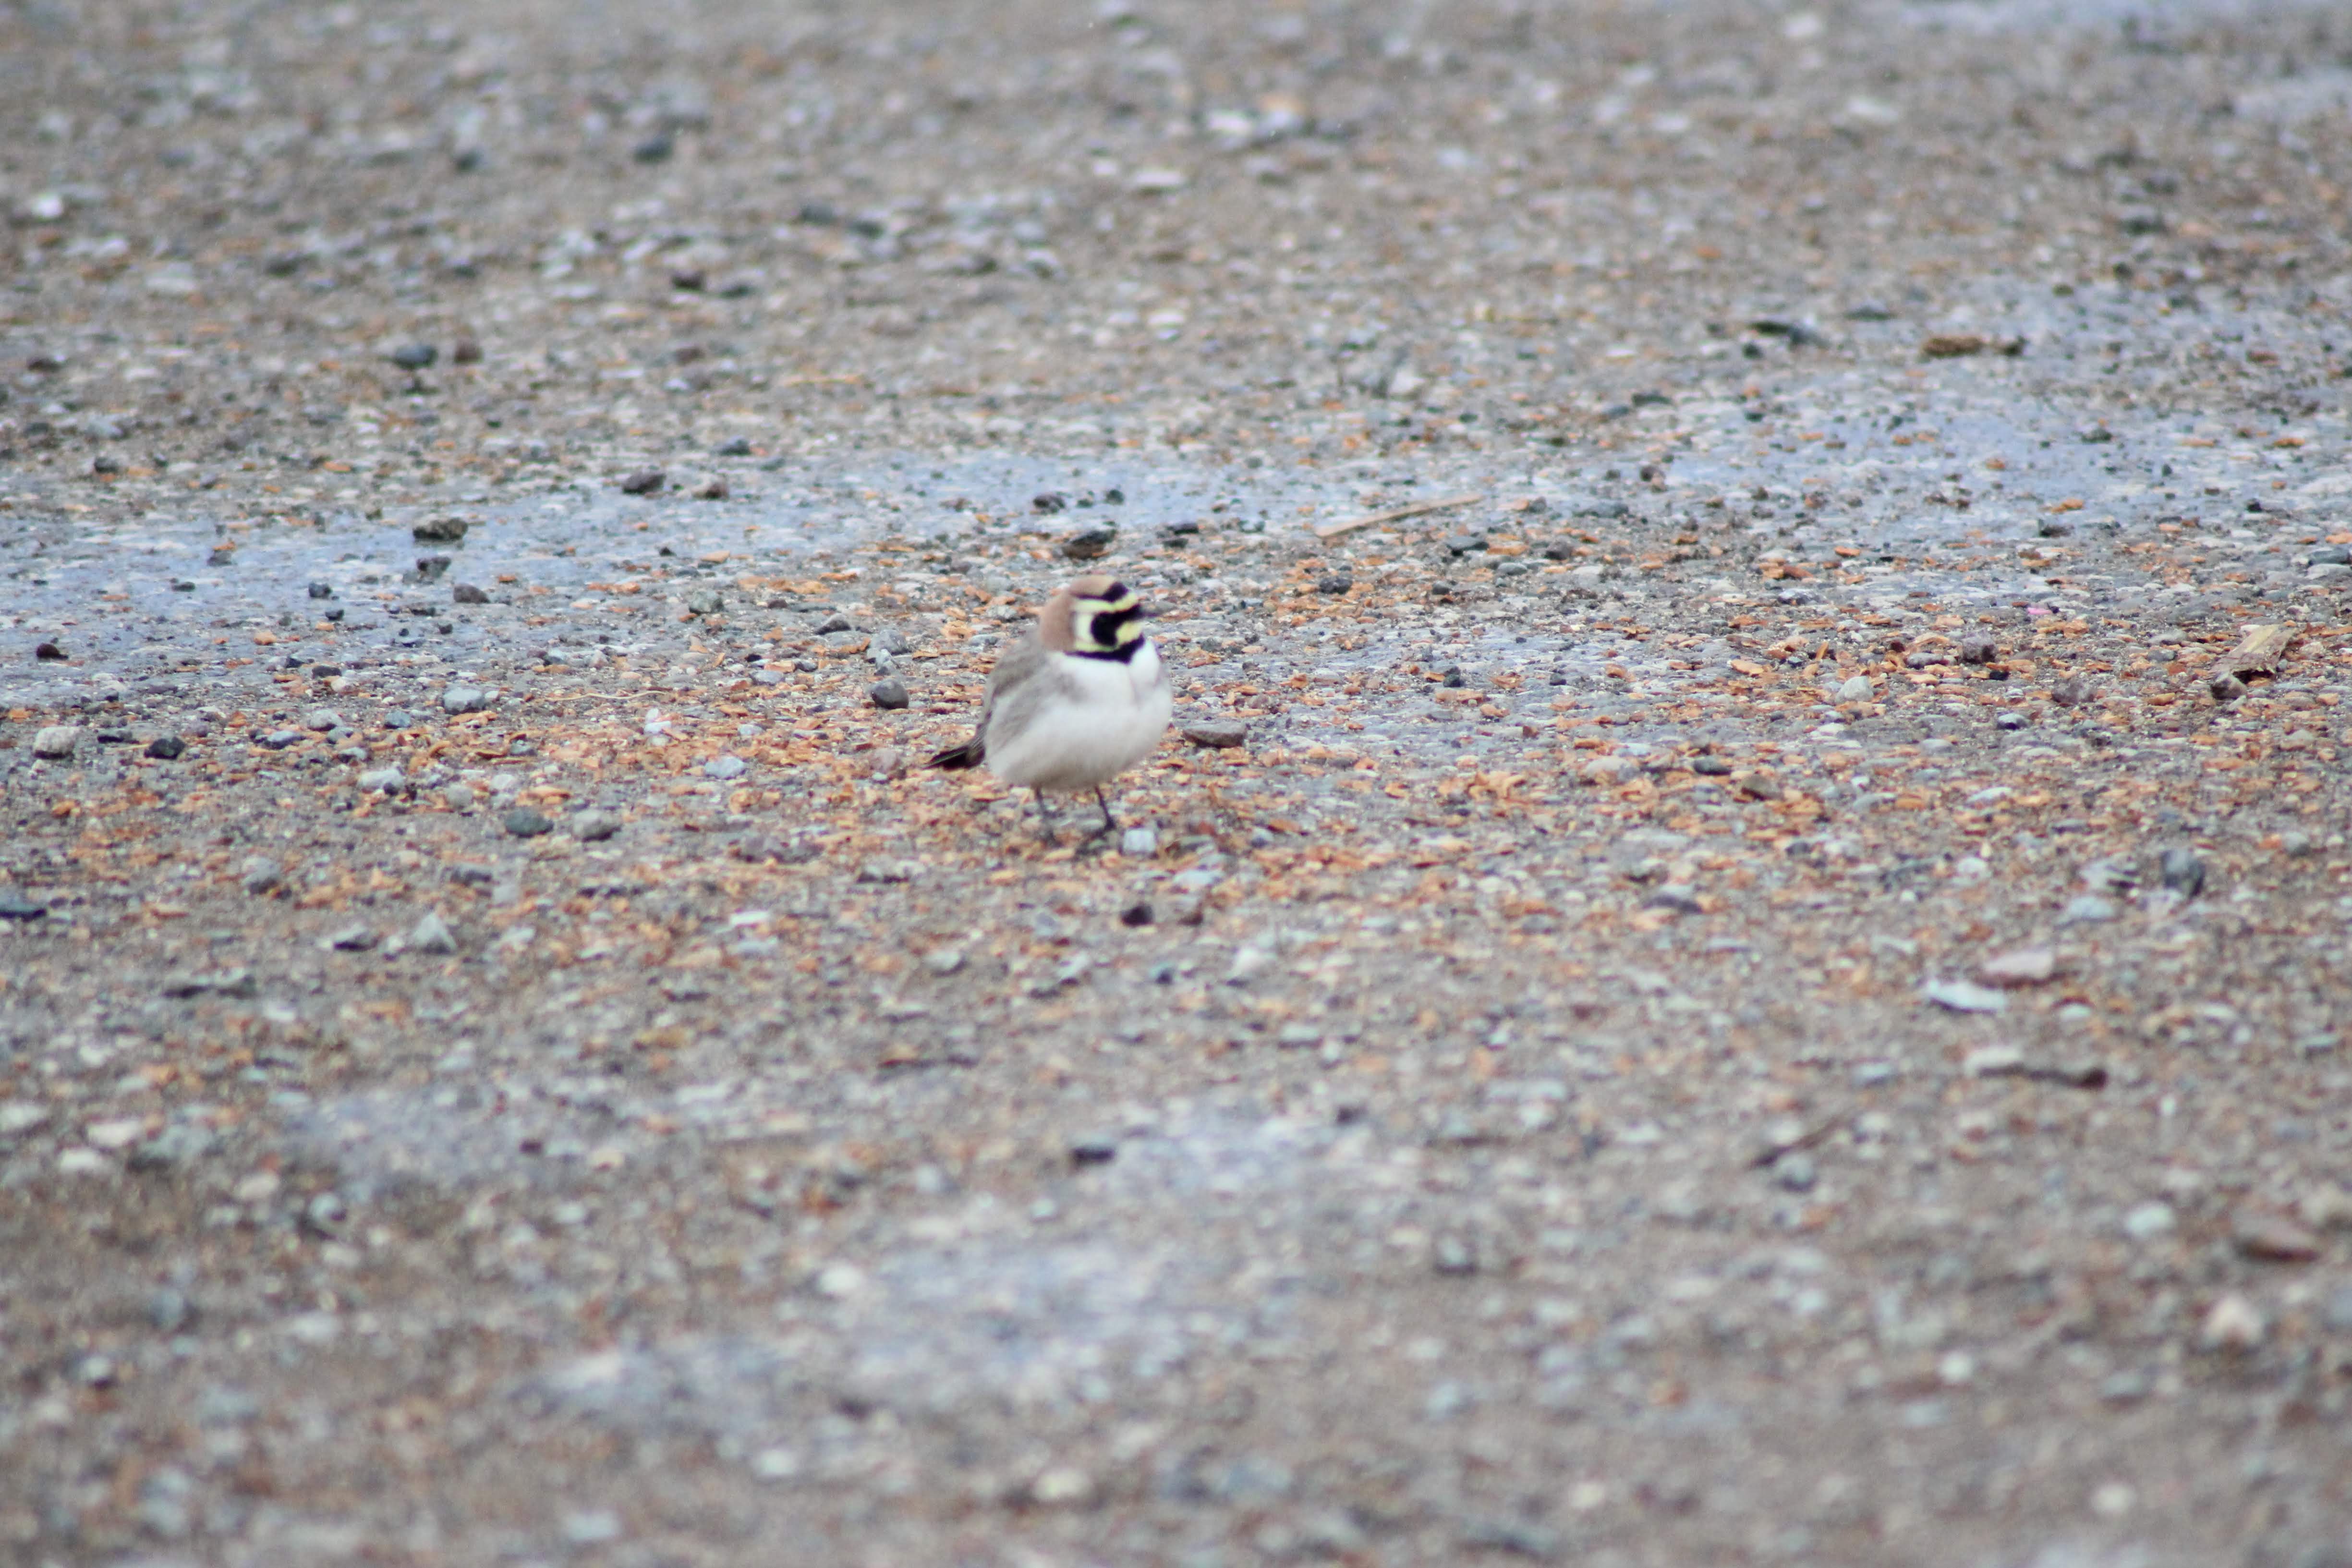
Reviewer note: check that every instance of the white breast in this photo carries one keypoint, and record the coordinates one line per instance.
(1113, 718)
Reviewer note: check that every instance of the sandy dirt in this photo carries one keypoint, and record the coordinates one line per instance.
(1752, 971)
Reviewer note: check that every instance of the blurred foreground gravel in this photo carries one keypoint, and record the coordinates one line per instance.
(1751, 972)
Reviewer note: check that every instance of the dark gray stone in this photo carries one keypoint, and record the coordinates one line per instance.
(1091, 542)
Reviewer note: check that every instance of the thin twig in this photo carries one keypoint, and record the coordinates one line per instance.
(1394, 514)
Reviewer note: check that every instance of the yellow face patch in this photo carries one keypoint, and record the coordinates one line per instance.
(1109, 621)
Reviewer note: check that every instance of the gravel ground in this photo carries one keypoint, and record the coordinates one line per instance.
(1750, 971)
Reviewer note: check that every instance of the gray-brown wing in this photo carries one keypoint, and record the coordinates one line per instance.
(1028, 676)
(1015, 668)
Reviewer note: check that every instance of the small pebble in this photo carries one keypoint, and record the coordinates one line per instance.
(2326, 1207)
(2021, 966)
(169, 1311)
(431, 933)
(643, 482)
(466, 594)
(1090, 544)
(591, 1527)
(1963, 996)
(1217, 733)
(2089, 909)
(525, 823)
(462, 700)
(415, 356)
(2233, 1324)
(2272, 1238)
(57, 741)
(595, 826)
(1994, 1061)
(890, 693)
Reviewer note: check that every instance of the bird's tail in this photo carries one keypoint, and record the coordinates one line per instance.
(968, 755)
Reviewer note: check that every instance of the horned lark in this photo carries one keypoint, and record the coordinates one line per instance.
(1079, 701)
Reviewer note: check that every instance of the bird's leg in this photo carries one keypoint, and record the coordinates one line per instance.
(1109, 823)
(1046, 820)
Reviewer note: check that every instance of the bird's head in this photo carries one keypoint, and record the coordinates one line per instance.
(1096, 616)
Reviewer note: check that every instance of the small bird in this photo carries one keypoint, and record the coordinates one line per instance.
(1075, 703)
